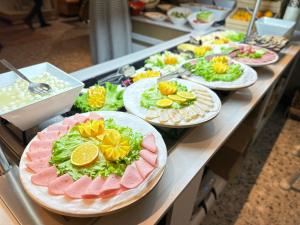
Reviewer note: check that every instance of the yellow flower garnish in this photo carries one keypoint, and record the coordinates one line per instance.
(170, 60)
(167, 88)
(114, 146)
(146, 74)
(91, 128)
(220, 68)
(96, 96)
(202, 50)
(221, 41)
(220, 59)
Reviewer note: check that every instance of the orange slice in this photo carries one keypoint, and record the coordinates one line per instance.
(84, 154)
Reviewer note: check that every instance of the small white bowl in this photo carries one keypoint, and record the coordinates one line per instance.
(199, 26)
(155, 16)
(179, 21)
(273, 26)
(219, 14)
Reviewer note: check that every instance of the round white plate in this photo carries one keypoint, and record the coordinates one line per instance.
(247, 79)
(96, 207)
(258, 64)
(132, 99)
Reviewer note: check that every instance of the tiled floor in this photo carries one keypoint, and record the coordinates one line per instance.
(254, 196)
(64, 44)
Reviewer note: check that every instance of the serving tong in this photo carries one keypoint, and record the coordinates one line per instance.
(36, 88)
(179, 73)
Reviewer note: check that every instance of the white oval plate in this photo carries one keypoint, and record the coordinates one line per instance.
(132, 99)
(97, 207)
(248, 78)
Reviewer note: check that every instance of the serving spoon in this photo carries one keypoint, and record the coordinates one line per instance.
(36, 88)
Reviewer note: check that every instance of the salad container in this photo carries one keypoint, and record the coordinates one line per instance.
(178, 15)
(33, 114)
(201, 25)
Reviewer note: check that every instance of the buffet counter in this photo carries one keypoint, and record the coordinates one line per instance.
(176, 193)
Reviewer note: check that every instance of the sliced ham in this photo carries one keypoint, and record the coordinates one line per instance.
(94, 189)
(149, 143)
(111, 186)
(37, 155)
(78, 188)
(60, 184)
(94, 116)
(62, 129)
(79, 118)
(70, 122)
(38, 165)
(40, 145)
(144, 167)
(150, 157)
(44, 177)
(48, 135)
(131, 177)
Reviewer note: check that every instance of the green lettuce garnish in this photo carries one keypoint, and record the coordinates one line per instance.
(204, 69)
(62, 150)
(113, 100)
(152, 95)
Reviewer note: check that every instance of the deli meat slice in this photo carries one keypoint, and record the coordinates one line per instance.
(78, 188)
(144, 167)
(44, 177)
(94, 116)
(37, 155)
(131, 177)
(70, 122)
(40, 145)
(149, 143)
(111, 186)
(38, 165)
(62, 129)
(80, 118)
(94, 189)
(48, 135)
(60, 184)
(150, 157)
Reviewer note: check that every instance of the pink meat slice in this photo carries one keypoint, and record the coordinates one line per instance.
(144, 167)
(38, 165)
(94, 189)
(150, 157)
(37, 155)
(111, 186)
(78, 188)
(60, 184)
(80, 118)
(40, 145)
(131, 177)
(44, 177)
(48, 135)
(149, 143)
(53, 127)
(70, 122)
(94, 116)
(62, 129)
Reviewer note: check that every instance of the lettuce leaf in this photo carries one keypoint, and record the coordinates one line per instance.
(113, 100)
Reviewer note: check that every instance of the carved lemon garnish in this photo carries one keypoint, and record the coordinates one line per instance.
(202, 50)
(176, 98)
(221, 41)
(167, 88)
(96, 96)
(146, 74)
(170, 60)
(114, 146)
(91, 128)
(219, 59)
(220, 68)
(186, 95)
(84, 154)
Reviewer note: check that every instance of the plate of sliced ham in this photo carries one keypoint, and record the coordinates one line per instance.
(253, 55)
(93, 164)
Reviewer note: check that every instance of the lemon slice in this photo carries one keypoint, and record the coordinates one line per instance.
(164, 102)
(84, 154)
(176, 98)
(186, 95)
